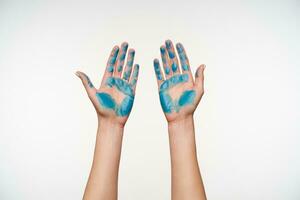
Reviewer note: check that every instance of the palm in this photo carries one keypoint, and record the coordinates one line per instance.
(179, 95)
(114, 98)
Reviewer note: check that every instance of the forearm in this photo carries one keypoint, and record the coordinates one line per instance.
(186, 179)
(103, 179)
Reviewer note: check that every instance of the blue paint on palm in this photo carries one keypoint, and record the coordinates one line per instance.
(125, 107)
(174, 80)
(108, 102)
(186, 98)
(166, 102)
(120, 84)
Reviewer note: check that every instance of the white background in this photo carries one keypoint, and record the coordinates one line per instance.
(247, 123)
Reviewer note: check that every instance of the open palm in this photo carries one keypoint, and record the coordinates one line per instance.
(178, 92)
(115, 96)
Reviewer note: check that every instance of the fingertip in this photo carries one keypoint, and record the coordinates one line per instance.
(77, 74)
(124, 44)
(162, 49)
(131, 51)
(168, 43)
(200, 70)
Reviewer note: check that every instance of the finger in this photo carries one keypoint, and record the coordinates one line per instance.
(121, 60)
(184, 61)
(172, 57)
(88, 85)
(199, 78)
(129, 64)
(110, 64)
(158, 72)
(165, 61)
(134, 77)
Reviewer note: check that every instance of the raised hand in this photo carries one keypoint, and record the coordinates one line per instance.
(178, 92)
(114, 98)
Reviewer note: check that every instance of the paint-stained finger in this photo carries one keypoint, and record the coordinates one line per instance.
(129, 64)
(165, 61)
(184, 61)
(87, 83)
(134, 77)
(172, 56)
(158, 72)
(121, 60)
(110, 64)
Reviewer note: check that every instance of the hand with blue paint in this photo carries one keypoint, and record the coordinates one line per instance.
(179, 96)
(178, 92)
(114, 98)
(113, 102)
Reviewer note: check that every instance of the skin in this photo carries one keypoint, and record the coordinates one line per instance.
(179, 96)
(113, 101)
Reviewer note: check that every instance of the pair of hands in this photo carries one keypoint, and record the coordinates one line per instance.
(179, 93)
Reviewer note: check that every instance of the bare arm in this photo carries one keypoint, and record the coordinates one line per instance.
(179, 96)
(113, 102)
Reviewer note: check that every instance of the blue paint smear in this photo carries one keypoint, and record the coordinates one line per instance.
(125, 107)
(157, 70)
(174, 80)
(162, 50)
(89, 81)
(109, 103)
(124, 48)
(120, 84)
(130, 62)
(120, 68)
(131, 57)
(185, 67)
(171, 54)
(110, 69)
(168, 44)
(122, 57)
(174, 67)
(166, 102)
(186, 98)
(106, 100)
(135, 72)
(127, 74)
(167, 70)
(114, 57)
(179, 48)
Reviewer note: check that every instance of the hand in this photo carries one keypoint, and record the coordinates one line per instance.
(178, 93)
(114, 99)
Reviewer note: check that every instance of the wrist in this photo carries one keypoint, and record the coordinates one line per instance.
(109, 125)
(181, 128)
(186, 121)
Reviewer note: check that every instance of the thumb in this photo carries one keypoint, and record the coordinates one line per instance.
(199, 78)
(88, 85)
